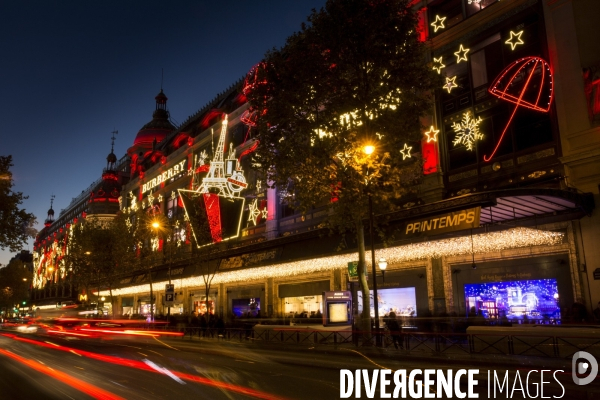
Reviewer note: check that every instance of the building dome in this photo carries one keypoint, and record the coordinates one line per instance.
(157, 129)
(111, 158)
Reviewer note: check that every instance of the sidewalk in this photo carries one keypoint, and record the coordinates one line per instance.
(483, 360)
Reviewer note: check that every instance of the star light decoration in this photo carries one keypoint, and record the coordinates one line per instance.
(461, 54)
(438, 23)
(438, 65)
(450, 84)
(467, 131)
(431, 134)
(406, 151)
(515, 39)
(254, 212)
(133, 201)
(150, 198)
(482, 243)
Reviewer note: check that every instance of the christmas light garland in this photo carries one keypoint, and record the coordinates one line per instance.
(482, 243)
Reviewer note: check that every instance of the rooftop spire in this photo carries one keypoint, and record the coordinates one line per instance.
(50, 218)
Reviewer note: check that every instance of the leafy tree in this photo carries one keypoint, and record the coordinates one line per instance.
(16, 225)
(354, 76)
(203, 254)
(84, 257)
(99, 251)
(147, 228)
(14, 284)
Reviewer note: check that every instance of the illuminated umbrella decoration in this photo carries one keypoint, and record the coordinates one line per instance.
(526, 82)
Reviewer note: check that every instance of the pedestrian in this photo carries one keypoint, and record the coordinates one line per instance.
(395, 330)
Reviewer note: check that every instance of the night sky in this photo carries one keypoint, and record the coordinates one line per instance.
(74, 71)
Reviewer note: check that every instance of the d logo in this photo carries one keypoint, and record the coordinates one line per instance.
(590, 365)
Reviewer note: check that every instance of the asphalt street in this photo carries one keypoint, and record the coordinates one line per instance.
(39, 366)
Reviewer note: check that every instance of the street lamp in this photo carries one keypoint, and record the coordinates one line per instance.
(382, 267)
(368, 149)
(156, 225)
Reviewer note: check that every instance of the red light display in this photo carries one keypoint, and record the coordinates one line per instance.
(527, 83)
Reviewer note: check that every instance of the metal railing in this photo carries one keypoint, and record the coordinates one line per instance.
(536, 345)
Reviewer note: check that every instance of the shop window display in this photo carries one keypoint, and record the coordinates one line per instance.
(246, 308)
(402, 301)
(201, 308)
(514, 300)
(303, 306)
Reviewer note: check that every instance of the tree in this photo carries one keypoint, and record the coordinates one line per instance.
(14, 284)
(85, 257)
(207, 241)
(98, 252)
(355, 76)
(146, 237)
(16, 225)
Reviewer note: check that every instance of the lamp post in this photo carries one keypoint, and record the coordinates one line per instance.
(374, 272)
(368, 151)
(156, 225)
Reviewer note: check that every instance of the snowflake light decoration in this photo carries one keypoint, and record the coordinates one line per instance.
(467, 131)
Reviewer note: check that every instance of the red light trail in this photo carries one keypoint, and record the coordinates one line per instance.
(138, 365)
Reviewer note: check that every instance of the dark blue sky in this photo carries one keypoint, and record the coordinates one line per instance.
(73, 71)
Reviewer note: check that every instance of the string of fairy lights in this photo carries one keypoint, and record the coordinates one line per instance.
(481, 243)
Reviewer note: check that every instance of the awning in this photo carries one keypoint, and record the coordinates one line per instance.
(509, 205)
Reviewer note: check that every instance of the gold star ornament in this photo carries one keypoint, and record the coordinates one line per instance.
(461, 54)
(438, 23)
(438, 65)
(515, 39)
(450, 84)
(432, 134)
(406, 151)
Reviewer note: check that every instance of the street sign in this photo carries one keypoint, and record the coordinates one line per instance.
(353, 271)
(169, 294)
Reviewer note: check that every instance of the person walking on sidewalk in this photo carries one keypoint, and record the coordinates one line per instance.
(395, 330)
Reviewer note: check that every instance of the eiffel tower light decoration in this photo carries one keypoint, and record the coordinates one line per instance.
(226, 176)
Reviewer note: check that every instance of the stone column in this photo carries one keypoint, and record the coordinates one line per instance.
(437, 279)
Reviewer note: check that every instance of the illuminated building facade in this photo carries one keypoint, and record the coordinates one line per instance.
(52, 281)
(514, 135)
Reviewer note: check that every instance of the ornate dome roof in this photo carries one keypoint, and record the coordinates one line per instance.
(111, 158)
(158, 128)
(108, 189)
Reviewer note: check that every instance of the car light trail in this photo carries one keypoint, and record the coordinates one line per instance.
(143, 366)
(80, 385)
